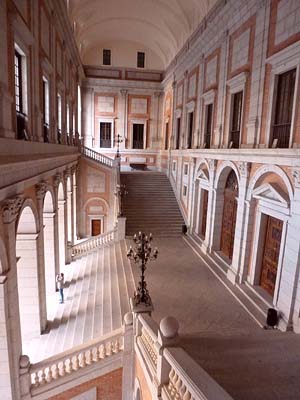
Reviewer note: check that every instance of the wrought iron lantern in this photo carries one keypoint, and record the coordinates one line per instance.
(141, 254)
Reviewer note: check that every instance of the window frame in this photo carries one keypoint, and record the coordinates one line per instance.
(103, 57)
(139, 52)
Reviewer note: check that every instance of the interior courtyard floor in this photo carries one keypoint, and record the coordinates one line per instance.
(215, 330)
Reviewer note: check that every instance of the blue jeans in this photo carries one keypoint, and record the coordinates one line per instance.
(61, 295)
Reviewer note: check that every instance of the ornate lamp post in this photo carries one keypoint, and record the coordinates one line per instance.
(118, 140)
(141, 254)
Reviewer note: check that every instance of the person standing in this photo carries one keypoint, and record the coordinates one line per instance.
(60, 281)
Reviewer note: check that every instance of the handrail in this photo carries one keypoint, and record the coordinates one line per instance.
(94, 155)
(79, 357)
(92, 243)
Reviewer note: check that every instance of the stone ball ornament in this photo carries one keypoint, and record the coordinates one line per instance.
(128, 318)
(169, 327)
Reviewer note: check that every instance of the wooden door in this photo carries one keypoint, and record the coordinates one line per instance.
(204, 211)
(229, 215)
(105, 134)
(96, 227)
(271, 254)
(138, 136)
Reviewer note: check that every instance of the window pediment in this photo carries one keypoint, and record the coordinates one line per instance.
(271, 193)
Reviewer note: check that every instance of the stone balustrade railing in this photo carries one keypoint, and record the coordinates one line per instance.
(92, 243)
(94, 155)
(64, 364)
(174, 374)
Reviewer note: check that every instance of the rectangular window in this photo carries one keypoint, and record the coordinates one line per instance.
(184, 190)
(167, 137)
(18, 82)
(236, 117)
(174, 165)
(138, 136)
(46, 111)
(190, 129)
(208, 126)
(186, 169)
(283, 109)
(140, 59)
(106, 57)
(105, 135)
(59, 118)
(177, 144)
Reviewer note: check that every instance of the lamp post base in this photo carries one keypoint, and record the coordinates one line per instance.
(141, 307)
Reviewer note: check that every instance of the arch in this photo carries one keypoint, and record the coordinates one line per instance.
(69, 209)
(223, 172)
(270, 169)
(49, 248)
(199, 167)
(137, 390)
(61, 225)
(100, 215)
(28, 277)
(30, 218)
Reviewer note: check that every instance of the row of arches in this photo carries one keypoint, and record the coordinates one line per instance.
(37, 247)
(241, 215)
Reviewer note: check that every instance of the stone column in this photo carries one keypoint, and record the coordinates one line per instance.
(234, 269)
(128, 357)
(9, 210)
(41, 190)
(155, 126)
(6, 375)
(208, 242)
(123, 121)
(56, 183)
(74, 204)
(87, 99)
(65, 205)
(191, 194)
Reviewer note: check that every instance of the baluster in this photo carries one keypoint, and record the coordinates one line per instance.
(82, 357)
(55, 372)
(49, 375)
(109, 348)
(116, 346)
(178, 387)
(173, 388)
(76, 365)
(102, 351)
(42, 375)
(88, 357)
(35, 379)
(68, 365)
(187, 395)
(62, 368)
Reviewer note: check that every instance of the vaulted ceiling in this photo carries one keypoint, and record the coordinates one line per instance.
(160, 26)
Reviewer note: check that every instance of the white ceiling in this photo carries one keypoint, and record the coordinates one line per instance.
(160, 26)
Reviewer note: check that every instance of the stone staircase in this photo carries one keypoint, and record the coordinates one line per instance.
(150, 205)
(98, 288)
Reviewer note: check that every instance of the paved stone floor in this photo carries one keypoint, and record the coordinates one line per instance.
(249, 362)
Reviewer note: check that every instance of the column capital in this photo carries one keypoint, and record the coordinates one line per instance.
(40, 190)
(57, 179)
(296, 176)
(123, 92)
(244, 168)
(10, 208)
(212, 164)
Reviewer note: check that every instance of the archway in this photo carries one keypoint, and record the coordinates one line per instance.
(200, 203)
(28, 276)
(49, 251)
(229, 215)
(69, 209)
(61, 226)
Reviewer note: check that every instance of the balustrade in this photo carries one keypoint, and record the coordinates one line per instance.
(97, 156)
(60, 366)
(92, 243)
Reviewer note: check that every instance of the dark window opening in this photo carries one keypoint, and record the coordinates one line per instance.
(138, 136)
(283, 109)
(177, 144)
(21, 117)
(190, 131)
(105, 134)
(167, 137)
(236, 117)
(141, 59)
(208, 126)
(106, 57)
(45, 111)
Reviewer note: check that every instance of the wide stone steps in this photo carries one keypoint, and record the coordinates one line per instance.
(150, 205)
(98, 287)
